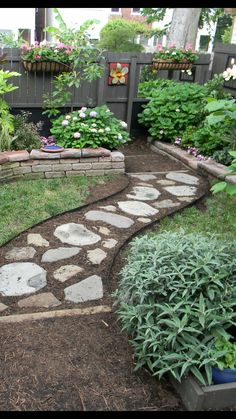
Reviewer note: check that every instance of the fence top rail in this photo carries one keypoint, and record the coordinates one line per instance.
(225, 48)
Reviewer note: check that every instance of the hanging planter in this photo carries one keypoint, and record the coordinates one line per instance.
(46, 66)
(168, 64)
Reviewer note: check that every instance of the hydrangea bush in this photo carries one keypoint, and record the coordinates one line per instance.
(90, 127)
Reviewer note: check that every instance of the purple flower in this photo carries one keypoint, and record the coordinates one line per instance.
(178, 140)
(48, 140)
(93, 114)
(201, 157)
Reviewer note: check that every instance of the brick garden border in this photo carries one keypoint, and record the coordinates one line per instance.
(37, 164)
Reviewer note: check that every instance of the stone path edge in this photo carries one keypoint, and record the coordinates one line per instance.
(96, 201)
(44, 315)
(209, 167)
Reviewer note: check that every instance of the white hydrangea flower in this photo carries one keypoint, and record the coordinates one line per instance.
(123, 124)
(101, 130)
(94, 125)
(83, 109)
(77, 135)
(119, 136)
(82, 115)
(173, 53)
(177, 110)
(161, 131)
(67, 117)
(107, 129)
(93, 129)
(65, 122)
(75, 118)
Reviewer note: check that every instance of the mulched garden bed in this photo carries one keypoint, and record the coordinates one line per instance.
(82, 363)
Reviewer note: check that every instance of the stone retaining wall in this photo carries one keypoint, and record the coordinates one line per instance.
(16, 165)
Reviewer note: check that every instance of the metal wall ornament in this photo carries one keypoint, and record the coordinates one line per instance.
(118, 74)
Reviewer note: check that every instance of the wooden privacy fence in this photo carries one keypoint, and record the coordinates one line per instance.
(119, 98)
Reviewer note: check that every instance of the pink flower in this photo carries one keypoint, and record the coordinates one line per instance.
(68, 52)
(37, 57)
(25, 47)
(60, 45)
(172, 46)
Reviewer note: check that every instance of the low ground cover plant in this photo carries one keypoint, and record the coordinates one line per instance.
(176, 297)
(90, 127)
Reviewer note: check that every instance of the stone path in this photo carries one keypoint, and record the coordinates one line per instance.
(66, 264)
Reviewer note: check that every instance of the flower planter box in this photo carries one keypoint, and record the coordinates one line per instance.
(197, 397)
(160, 64)
(47, 66)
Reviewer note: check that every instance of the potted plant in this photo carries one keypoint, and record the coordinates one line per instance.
(224, 353)
(173, 58)
(45, 56)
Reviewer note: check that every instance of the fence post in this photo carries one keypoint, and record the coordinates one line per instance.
(132, 85)
(102, 84)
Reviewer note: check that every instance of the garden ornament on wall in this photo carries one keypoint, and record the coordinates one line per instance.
(118, 74)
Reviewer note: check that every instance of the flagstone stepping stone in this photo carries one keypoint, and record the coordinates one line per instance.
(66, 272)
(76, 234)
(183, 177)
(166, 203)
(110, 243)
(53, 255)
(181, 190)
(144, 177)
(144, 220)
(166, 182)
(96, 256)
(21, 278)
(46, 300)
(88, 289)
(144, 184)
(111, 208)
(185, 198)
(3, 307)
(37, 240)
(104, 230)
(116, 220)
(20, 253)
(143, 193)
(137, 208)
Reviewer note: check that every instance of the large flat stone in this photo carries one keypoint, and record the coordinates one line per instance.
(88, 289)
(46, 300)
(144, 177)
(21, 278)
(37, 240)
(66, 272)
(104, 230)
(20, 253)
(3, 307)
(144, 220)
(166, 182)
(76, 234)
(109, 243)
(137, 208)
(96, 256)
(116, 220)
(53, 255)
(181, 190)
(144, 193)
(183, 177)
(165, 203)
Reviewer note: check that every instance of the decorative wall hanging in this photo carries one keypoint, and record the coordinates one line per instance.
(118, 74)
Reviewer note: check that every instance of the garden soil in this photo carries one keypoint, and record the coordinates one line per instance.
(83, 363)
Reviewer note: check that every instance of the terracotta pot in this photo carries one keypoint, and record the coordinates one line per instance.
(168, 64)
(47, 66)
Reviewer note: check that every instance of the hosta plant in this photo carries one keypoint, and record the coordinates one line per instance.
(176, 296)
(90, 127)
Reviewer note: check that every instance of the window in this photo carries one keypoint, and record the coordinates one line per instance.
(115, 10)
(135, 10)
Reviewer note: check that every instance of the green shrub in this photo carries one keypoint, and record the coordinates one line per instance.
(151, 88)
(214, 88)
(26, 133)
(172, 110)
(176, 296)
(90, 127)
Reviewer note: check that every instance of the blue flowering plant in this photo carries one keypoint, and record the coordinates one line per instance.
(90, 127)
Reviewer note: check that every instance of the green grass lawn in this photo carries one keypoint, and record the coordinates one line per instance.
(218, 217)
(25, 203)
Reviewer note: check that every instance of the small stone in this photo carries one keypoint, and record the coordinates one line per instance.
(111, 208)
(181, 190)
(96, 256)
(37, 240)
(144, 220)
(53, 255)
(20, 253)
(166, 182)
(137, 208)
(45, 300)
(143, 193)
(88, 289)
(143, 177)
(144, 184)
(104, 230)
(166, 203)
(109, 243)
(21, 278)
(185, 198)
(76, 234)
(183, 177)
(66, 272)
(3, 307)
(118, 221)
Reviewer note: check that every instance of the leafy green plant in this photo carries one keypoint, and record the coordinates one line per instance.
(6, 119)
(151, 88)
(7, 40)
(224, 353)
(172, 110)
(90, 127)
(26, 133)
(176, 296)
(229, 188)
(214, 88)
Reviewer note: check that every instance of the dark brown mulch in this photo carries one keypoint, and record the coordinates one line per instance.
(82, 363)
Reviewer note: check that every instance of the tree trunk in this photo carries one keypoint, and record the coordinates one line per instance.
(184, 27)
